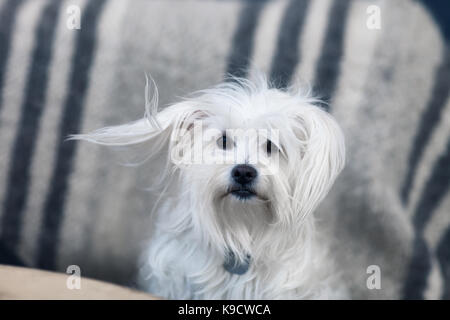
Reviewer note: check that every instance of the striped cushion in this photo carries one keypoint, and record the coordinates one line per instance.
(65, 203)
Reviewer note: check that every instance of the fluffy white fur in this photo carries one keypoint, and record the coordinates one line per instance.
(196, 220)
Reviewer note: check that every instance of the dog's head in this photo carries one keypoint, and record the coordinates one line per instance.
(250, 160)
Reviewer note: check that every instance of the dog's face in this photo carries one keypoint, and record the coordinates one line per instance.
(253, 159)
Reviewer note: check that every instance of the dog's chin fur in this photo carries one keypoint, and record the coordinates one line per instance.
(199, 217)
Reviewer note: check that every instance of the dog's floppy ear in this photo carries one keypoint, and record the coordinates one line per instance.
(149, 142)
(151, 135)
(154, 131)
(321, 159)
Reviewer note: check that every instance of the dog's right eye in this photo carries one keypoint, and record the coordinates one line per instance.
(223, 142)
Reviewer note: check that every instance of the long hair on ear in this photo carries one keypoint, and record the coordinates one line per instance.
(154, 135)
(138, 141)
(142, 130)
(322, 159)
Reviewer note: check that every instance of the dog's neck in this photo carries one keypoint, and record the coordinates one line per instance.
(246, 225)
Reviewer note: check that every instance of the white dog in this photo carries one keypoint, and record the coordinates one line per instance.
(242, 167)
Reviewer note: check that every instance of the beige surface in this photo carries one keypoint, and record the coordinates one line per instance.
(24, 283)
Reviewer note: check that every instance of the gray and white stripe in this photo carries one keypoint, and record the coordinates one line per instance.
(64, 203)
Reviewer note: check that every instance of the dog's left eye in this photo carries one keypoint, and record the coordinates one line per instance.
(224, 142)
(270, 147)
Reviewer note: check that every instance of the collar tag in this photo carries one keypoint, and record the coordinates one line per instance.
(235, 267)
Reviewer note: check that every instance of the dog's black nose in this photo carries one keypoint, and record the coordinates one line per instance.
(243, 174)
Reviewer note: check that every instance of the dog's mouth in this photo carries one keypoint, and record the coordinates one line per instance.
(242, 193)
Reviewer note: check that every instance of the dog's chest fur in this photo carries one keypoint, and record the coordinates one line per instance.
(177, 266)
